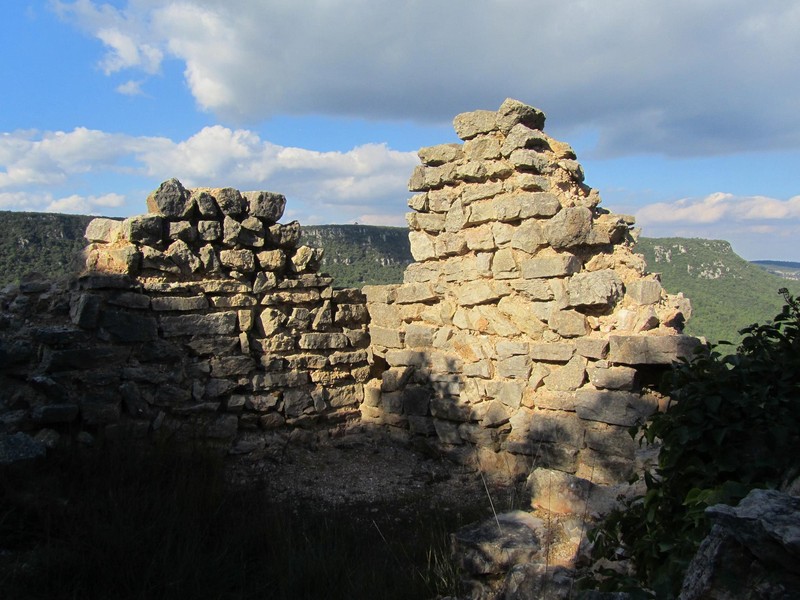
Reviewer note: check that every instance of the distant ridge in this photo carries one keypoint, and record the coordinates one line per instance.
(727, 292)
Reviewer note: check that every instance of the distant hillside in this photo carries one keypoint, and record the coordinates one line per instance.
(357, 255)
(46, 243)
(727, 292)
(787, 270)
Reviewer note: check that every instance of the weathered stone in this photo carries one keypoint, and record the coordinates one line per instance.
(122, 259)
(414, 293)
(550, 266)
(650, 350)
(596, 288)
(170, 200)
(438, 155)
(591, 347)
(103, 230)
(569, 227)
(285, 236)
(568, 323)
(532, 160)
(304, 258)
(205, 203)
(558, 492)
(470, 124)
(128, 327)
(614, 407)
(644, 291)
(240, 260)
(182, 230)
(222, 323)
(612, 378)
(209, 231)
(552, 352)
(179, 303)
(495, 545)
(513, 112)
(480, 292)
(157, 260)
(227, 366)
(568, 377)
(181, 254)
(318, 341)
(230, 201)
(265, 205)
(482, 149)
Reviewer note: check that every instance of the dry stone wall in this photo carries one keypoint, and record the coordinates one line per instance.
(201, 318)
(524, 335)
(527, 326)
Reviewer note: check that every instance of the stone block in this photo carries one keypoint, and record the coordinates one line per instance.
(103, 230)
(209, 231)
(480, 292)
(513, 112)
(319, 341)
(181, 254)
(470, 124)
(129, 327)
(265, 205)
(568, 377)
(447, 432)
(228, 366)
(530, 160)
(552, 351)
(591, 347)
(550, 266)
(596, 288)
(570, 227)
(568, 323)
(650, 350)
(222, 323)
(522, 137)
(614, 407)
(413, 293)
(612, 378)
(644, 291)
(144, 229)
(179, 303)
(239, 260)
(171, 200)
(438, 155)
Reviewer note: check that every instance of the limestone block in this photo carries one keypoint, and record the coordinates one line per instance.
(181, 254)
(234, 301)
(182, 230)
(270, 320)
(613, 407)
(610, 439)
(284, 236)
(209, 231)
(552, 352)
(447, 432)
(533, 289)
(305, 258)
(228, 366)
(265, 205)
(417, 181)
(480, 191)
(605, 469)
(569, 227)
(413, 293)
(528, 237)
(450, 409)
(480, 292)
(568, 323)
(504, 264)
(644, 291)
(421, 425)
(239, 260)
(418, 336)
(470, 124)
(506, 348)
(530, 182)
(319, 341)
(103, 230)
(514, 367)
(130, 300)
(296, 402)
(438, 155)
(272, 379)
(472, 171)
(264, 281)
(556, 426)
(531, 160)
(171, 200)
(573, 168)
(523, 314)
(128, 327)
(440, 201)
(430, 222)
(118, 259)
(493, 547)
(422, 245)
(198, 302)
(205, 203)
(345, 395)
(231, 228)
(482, 148)
(221, 323)
(650, 350)
(612, 378)
(503, 233)
(558, 492)
(568, 377)
(144, 229)
(522, 137)
(550, 266)
(591, 347)
(481, 368)
(230, 201)
(450, 244)
(513, 112)
(418, 202)
(479, 238)
(596, 288)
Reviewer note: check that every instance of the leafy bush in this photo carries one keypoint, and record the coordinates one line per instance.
(733, 425)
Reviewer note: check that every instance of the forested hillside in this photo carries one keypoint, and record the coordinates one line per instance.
(727, 292)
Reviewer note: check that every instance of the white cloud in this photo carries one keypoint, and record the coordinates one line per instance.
(681, 77)
(37, 168)
(757, 226)
(130, 88)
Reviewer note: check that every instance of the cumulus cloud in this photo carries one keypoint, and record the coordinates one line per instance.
(130, 88)
(758, 226)
(681, 77)
(322, 187)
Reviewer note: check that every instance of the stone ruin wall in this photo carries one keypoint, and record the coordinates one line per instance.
(527, 326)
(521, 336)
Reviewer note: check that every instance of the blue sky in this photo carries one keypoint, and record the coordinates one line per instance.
(683, 113)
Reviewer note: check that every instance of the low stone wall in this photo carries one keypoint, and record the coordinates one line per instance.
(202, 318)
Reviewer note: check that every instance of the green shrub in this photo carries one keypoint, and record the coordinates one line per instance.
(733, 424)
